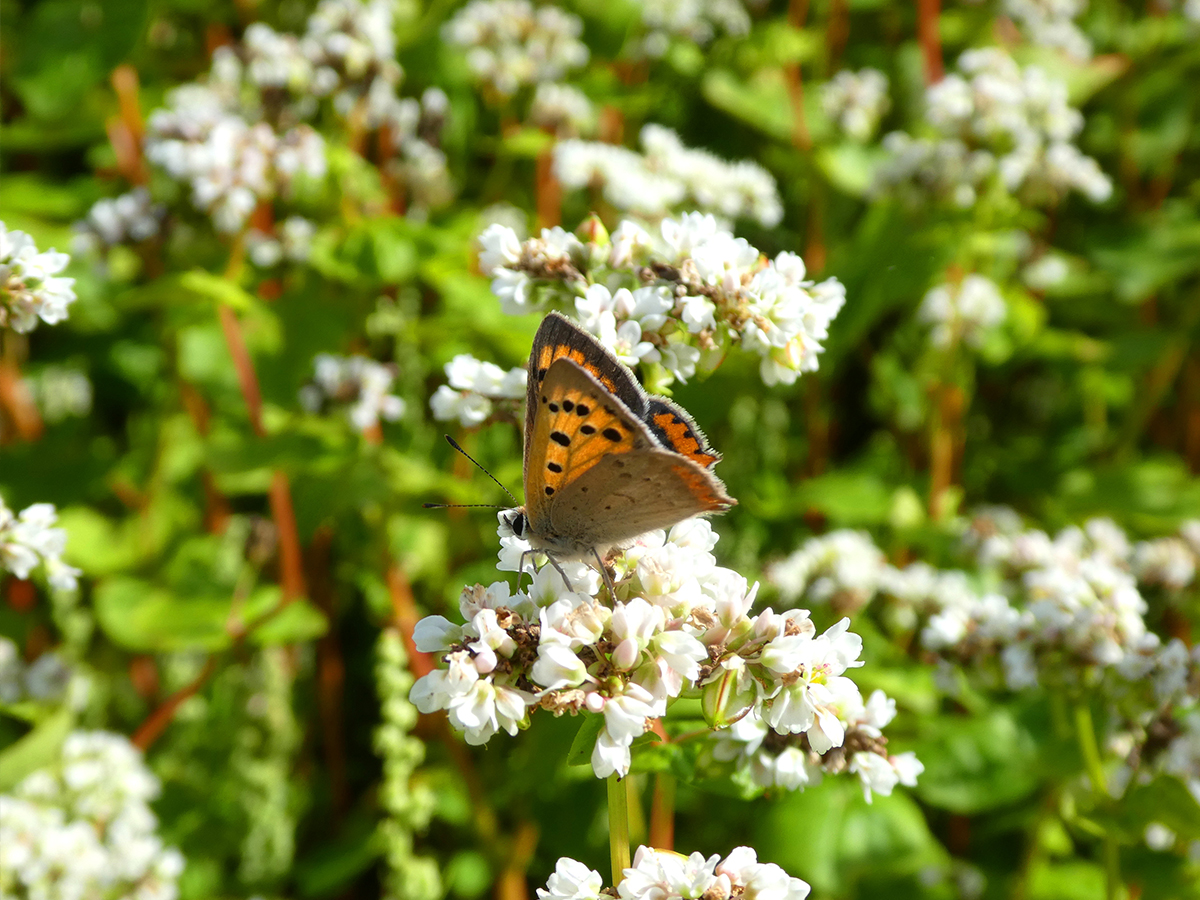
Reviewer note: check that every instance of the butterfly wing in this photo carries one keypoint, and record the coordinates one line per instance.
(623, 496)
(576, 423)
(558, 337)
(676, 431)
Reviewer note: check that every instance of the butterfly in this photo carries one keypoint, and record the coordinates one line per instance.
(605, 462)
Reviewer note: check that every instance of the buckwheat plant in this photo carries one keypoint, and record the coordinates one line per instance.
(409, 804)
(29, 541)
(1065, 614)
(82, 827)
(246, 132)
(679, 625)
(358, 385)
(668, 175)
(511, 44)
(475, 389)
(994, 123)
(671, 301)
(665, 875)
(856, 101)
(31, 288)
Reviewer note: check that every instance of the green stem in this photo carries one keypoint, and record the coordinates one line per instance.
(1086, 733)
(1089, 748)
(618, 826)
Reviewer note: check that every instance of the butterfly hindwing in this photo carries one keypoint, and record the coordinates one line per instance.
(576, 424)
(676, 431)
(621, 497)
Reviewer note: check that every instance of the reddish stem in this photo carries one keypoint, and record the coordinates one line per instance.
(156, 723)
(930, 39)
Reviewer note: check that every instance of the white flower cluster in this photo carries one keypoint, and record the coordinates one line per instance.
(61, 392)
(995, 119)
(45, 680)
(667, 175)
(292, 243)
(767, 759)
(475, 386)
(562, 109)
(30, 539)
(856, 101)
(667, 875)
(1065, 612)
(665, 299)
(511, 44)
(679, 623)
(30, 286)
(1068, 604)
(240, 135)
(695, 21)
(84, 828)
(963, 312)
(131, 218)
(359, 384)
(230, 163)
(1050, 23)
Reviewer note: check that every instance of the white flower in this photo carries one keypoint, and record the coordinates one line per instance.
(31, 539)
(856, 101)
(572, 881)
(30, 287)
(361, 385)
(966, 311)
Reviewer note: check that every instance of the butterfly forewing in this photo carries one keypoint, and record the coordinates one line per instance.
(558, 337)
(576, 424)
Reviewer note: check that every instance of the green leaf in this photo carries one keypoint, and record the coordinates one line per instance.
(976, 764)
(762, 102)
(296, 623)
(35, 750)
(143, 617)
(217, 288)
(585, 740)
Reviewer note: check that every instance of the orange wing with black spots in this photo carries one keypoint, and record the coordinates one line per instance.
(559, 337)
(676, 431)
(577, 422)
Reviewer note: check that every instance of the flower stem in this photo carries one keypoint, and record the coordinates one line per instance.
(618, 826)
(1086, 733)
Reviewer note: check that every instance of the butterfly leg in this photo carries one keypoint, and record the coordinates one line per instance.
(561, 573)
(612, 588)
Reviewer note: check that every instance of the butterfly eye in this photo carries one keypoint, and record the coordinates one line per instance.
(517, 523)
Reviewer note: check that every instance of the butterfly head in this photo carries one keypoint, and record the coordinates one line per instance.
(515, 521)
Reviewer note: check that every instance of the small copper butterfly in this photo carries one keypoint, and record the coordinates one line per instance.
(604, 461)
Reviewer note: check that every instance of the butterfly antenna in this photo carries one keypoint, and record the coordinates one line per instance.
(463, 506)
(453, 443)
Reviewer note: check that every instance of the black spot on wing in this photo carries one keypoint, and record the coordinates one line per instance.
(612, 434)
(559, 438)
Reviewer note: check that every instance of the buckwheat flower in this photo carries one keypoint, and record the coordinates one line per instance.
(1049, 23)
(563, 109)
(572, 881)
(843, 567)
(962, 312)
(31, 290)
(625, 719)
(360, 385)
(30, 539)
(499, 247)
(130, 218)
(1169, 562)
(856, 101)
(760, 881)
(81, 826)
(696, 21)
(510, 43)
(474, 387)
(61, 392)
